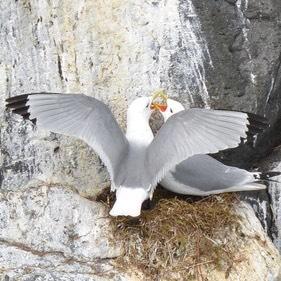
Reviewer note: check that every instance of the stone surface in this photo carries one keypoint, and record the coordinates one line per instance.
(260, 260)
(52, 233)
(244, 39)
(272, 163)
(245, 51)
(222, 54)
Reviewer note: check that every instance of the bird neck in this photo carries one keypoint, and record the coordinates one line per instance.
(138, 129)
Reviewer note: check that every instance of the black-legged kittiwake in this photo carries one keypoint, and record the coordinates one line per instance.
(136, 162)
(202, 175)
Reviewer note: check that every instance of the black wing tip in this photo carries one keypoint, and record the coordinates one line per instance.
(17, 105)
(24, 97)
(257, 117)
(22, 110)
(17, 102)
(16, 99)
(269, 174)
(257, 124)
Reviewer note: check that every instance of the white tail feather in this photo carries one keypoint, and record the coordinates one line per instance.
(128, 201)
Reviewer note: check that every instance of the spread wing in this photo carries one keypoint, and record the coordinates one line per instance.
(79, 116)
(197, 131)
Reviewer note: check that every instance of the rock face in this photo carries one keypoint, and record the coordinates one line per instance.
(244, 42)
(223, 54)
(51, 233)
(256, 251)
(54, 233)
(272, 162)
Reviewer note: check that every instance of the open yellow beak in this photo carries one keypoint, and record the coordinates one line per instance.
(156, 106)
(159, 100)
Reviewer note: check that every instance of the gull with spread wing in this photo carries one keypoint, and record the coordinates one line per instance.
(202, 175)
(136, 161)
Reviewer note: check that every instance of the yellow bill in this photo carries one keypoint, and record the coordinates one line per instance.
(159, 100)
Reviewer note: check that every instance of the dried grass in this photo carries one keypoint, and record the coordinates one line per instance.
(178, 237)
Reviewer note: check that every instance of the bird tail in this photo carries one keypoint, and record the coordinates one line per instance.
(267, 176)
(250, 186)
(128, 201)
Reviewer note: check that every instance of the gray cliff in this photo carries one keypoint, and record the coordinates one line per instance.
(216, 53)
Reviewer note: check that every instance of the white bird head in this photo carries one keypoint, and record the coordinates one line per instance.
(141, 107)
(173, 107)
(166, 106)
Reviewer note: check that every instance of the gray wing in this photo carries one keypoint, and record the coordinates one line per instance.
(205, 175)
(191, 132)
(79, 116)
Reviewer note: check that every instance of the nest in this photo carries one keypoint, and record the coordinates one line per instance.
(179, 237)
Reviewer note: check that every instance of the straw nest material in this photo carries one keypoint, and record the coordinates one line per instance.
(178, 236)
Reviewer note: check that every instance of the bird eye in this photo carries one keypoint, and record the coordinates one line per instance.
(147, 105)
(171, 110)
